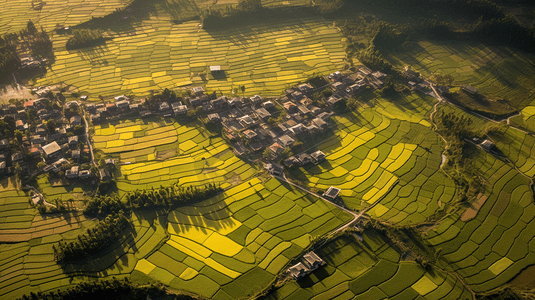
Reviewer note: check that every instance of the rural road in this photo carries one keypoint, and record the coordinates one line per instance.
(88, 141)
(355, 215)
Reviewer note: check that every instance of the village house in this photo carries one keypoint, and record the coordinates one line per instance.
(17, 157)
(268, 105)
(317, 157)
(75, 120)
(51, 151)
(198, 91)
(333, 100)
(286, 141)
(275, 169)
(75, 154)
(320, 123)
(250, 134)
(84, 174)
(262, 113)
(276, 148)
(4, 144)
(122, 105)
(303, 158)
(312, 261)
(298, 271)
(297, 95)
(246, 121)
(290, 107)
(73, 141)
(104, 174)
(470, 89)
(179, 109)
(335, 76)
(305, 88)
(219, 103)
(256, 99)
(72, 172)
(365, 71)
(214, 118)
(331, 193)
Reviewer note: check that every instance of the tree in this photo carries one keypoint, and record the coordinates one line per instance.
(51, 125)
(287, 152)
(266, 153)
(41, 165)
(18, 169)
(242, 88)
(18, 135)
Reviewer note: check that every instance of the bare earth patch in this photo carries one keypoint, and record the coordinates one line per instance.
(15, 92)
(471, 212)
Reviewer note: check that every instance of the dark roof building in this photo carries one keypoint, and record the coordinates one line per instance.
(331, 193)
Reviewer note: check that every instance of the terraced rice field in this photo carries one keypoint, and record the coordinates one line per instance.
(27, 261)
(526, 119)
(497, 72)
(26, 238)
(518, 147)
(157, 54)
(386, 157)
(162, 152)
(233, 245)
(491, 242)
(15, 14)
(370, 270)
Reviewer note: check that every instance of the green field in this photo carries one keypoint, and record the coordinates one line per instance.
(497, 72)
(370, 269)
(233, 245)
(387, 156)
(15, 14)
(159, 151)
(157, 54)
(491, 245)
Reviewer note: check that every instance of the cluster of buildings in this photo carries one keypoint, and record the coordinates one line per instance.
(49, 132)
(308, 264)
(104, 112)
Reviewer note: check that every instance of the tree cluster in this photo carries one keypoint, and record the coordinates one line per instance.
(153, 101)
(508, 31)
(103, 206)
(9, 59)
(389, 37)
(373, 59)
(89, 244)
(104, 289)
(459, 154)
(82, 38)
(38, 42)
(171, 196)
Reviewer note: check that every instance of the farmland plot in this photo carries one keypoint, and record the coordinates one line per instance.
(386, 157)
(157, 54)
(369, 270)
(234, 244)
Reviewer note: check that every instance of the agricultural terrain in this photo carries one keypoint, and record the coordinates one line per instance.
(425, 210)
(155, 54)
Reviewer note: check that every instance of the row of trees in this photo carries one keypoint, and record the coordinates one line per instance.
(89, 244)
(485, 8)
(84, 38)
(456, 129)
(9, 60)
(170, 196)
(507, 30)
(36, 42)
(104, 289)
